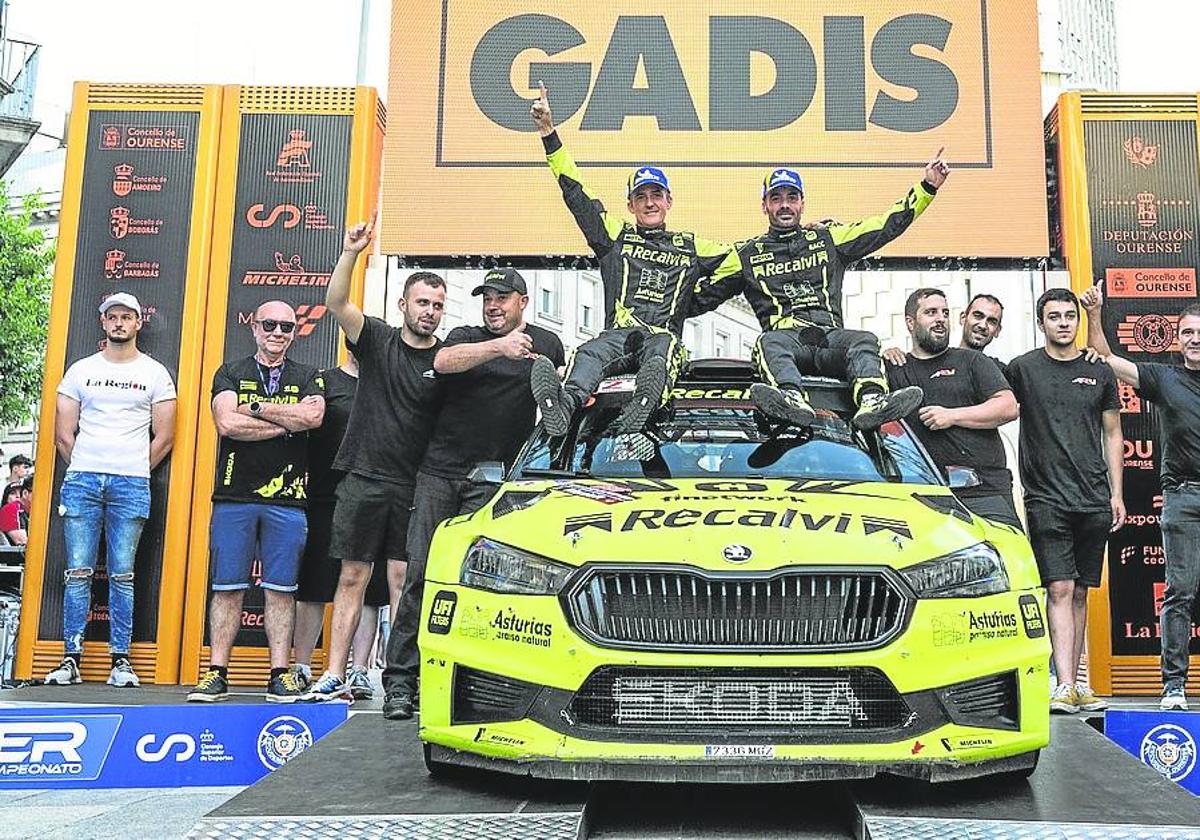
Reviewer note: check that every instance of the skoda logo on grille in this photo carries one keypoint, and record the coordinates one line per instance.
(736, 553)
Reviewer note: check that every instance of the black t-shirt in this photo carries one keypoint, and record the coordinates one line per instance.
(955, 379)
(489, 409)
(1175, 392)
(395, 408)
(1003, 367)
(273, 471)
(1062, 438)
(323, 442)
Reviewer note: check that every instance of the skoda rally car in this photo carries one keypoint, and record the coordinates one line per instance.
(717, 599)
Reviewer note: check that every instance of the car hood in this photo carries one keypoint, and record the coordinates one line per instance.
(722, 524)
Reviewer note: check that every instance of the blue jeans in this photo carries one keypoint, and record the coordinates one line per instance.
(120, 504)
(1181, 546)
(241, 531)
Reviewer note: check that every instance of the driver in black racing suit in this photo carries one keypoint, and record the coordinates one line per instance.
(649, 275)
(792, 277)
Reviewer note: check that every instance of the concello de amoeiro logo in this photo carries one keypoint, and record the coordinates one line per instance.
(1140, 153)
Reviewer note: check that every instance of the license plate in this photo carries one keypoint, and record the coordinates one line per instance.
(739, 751)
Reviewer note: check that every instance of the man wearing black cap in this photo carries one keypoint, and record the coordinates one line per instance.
(792, 278)
(487, 415)
(649, 274)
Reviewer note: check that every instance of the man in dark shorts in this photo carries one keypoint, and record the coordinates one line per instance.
(648, 274)
(263, 406)
(481, 368)
(1072, 457)
(390, 423)
(319, 572)
(1175, 392)
(966, 400)
(792, 279)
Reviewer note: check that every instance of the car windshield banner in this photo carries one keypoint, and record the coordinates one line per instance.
(156, 746)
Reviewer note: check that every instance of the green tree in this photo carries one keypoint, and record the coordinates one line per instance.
(25, 260)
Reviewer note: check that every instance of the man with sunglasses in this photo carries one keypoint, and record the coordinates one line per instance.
(263, 406)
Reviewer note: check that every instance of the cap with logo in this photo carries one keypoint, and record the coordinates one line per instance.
(777, 178)
(648, 175)
(121, 299)
(503, 280)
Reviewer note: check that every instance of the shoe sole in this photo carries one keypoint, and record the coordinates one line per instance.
(1063, 709)
(1093, 707)
(1173, 707)
(772, 403)
(361, 694)
(132, 684)
(547, 390)
(276, 698)
(206, 698)
(647, 395)
(68, 682)
(900, 404)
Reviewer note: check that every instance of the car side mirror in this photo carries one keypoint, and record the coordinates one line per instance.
(962, 477)
(487, 472)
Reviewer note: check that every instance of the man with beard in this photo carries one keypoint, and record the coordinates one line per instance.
(792, 278)
(1175, 391)
(395, 409)
(966, 400)
(263, 406)
(114, 423)
(1072, 456)
(648, 274)
(488, 414)
(980, 321)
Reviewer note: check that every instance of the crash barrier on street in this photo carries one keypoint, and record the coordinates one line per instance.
(155, 745)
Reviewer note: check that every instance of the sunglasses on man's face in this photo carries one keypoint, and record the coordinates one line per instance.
(268, 326)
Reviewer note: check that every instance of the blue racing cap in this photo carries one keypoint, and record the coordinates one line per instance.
(782, 178)
(648, 175)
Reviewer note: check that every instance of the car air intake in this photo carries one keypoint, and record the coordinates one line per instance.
(990, 702)
(731, 699)
(480, 697)
(784, 611)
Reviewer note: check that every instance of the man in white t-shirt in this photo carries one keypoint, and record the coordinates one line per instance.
(114, 423)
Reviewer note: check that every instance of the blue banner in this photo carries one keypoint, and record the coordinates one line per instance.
(156, 746)
(1166, 741)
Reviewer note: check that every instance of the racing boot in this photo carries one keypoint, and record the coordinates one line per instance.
(876, 408)
(785, 405)
(647, 396)
(550, 397)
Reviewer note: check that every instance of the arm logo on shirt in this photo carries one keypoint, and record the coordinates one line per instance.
(943, 372)
(1083, 380)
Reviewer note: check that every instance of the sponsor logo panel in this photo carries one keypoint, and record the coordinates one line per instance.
(441, 614)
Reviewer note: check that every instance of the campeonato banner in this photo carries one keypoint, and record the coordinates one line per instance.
(856, 95)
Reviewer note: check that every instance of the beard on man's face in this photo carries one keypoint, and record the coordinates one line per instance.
(931, 342)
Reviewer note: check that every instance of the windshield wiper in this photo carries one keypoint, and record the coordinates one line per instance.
(538, 472)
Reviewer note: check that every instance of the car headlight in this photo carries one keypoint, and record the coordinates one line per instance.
(969, 572)
(501, 568)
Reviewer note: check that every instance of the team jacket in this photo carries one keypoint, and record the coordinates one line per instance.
(649, 276)
(794, 277)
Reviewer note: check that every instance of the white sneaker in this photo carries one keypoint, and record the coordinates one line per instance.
(67, 673)
(1173, 699)
(1063, 700)
(123, 676)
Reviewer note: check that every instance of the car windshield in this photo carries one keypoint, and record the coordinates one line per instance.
(703, 442)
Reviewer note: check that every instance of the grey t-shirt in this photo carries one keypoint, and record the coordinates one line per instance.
(1062, 442)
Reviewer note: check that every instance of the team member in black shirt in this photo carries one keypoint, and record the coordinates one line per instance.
(264, 406)
(319, 572)
(390, 424)
(1072, 456)
(488, 413)
(966, 399)
(1175, 392)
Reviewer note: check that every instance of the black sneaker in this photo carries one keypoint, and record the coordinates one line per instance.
(788, 406)
(286, 688)
(398, 705)
(877, 408)
(211, 688)
(548, 394)
(647, 396)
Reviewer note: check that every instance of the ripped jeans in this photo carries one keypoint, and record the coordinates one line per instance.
(120, 504)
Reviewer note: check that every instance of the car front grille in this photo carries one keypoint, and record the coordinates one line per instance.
(784, 611)
(816, 699)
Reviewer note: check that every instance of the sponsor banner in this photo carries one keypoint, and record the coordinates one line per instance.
(856, 95)
(289, 214)
(135, 213)
(156, 746)
(1143, 194)
(1165, 741)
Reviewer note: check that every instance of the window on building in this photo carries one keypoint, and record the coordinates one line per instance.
(589, 306)
(691, 338)
(720, 344)
(548, 304)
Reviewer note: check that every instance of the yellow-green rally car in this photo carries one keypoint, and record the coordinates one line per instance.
(719, 599)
